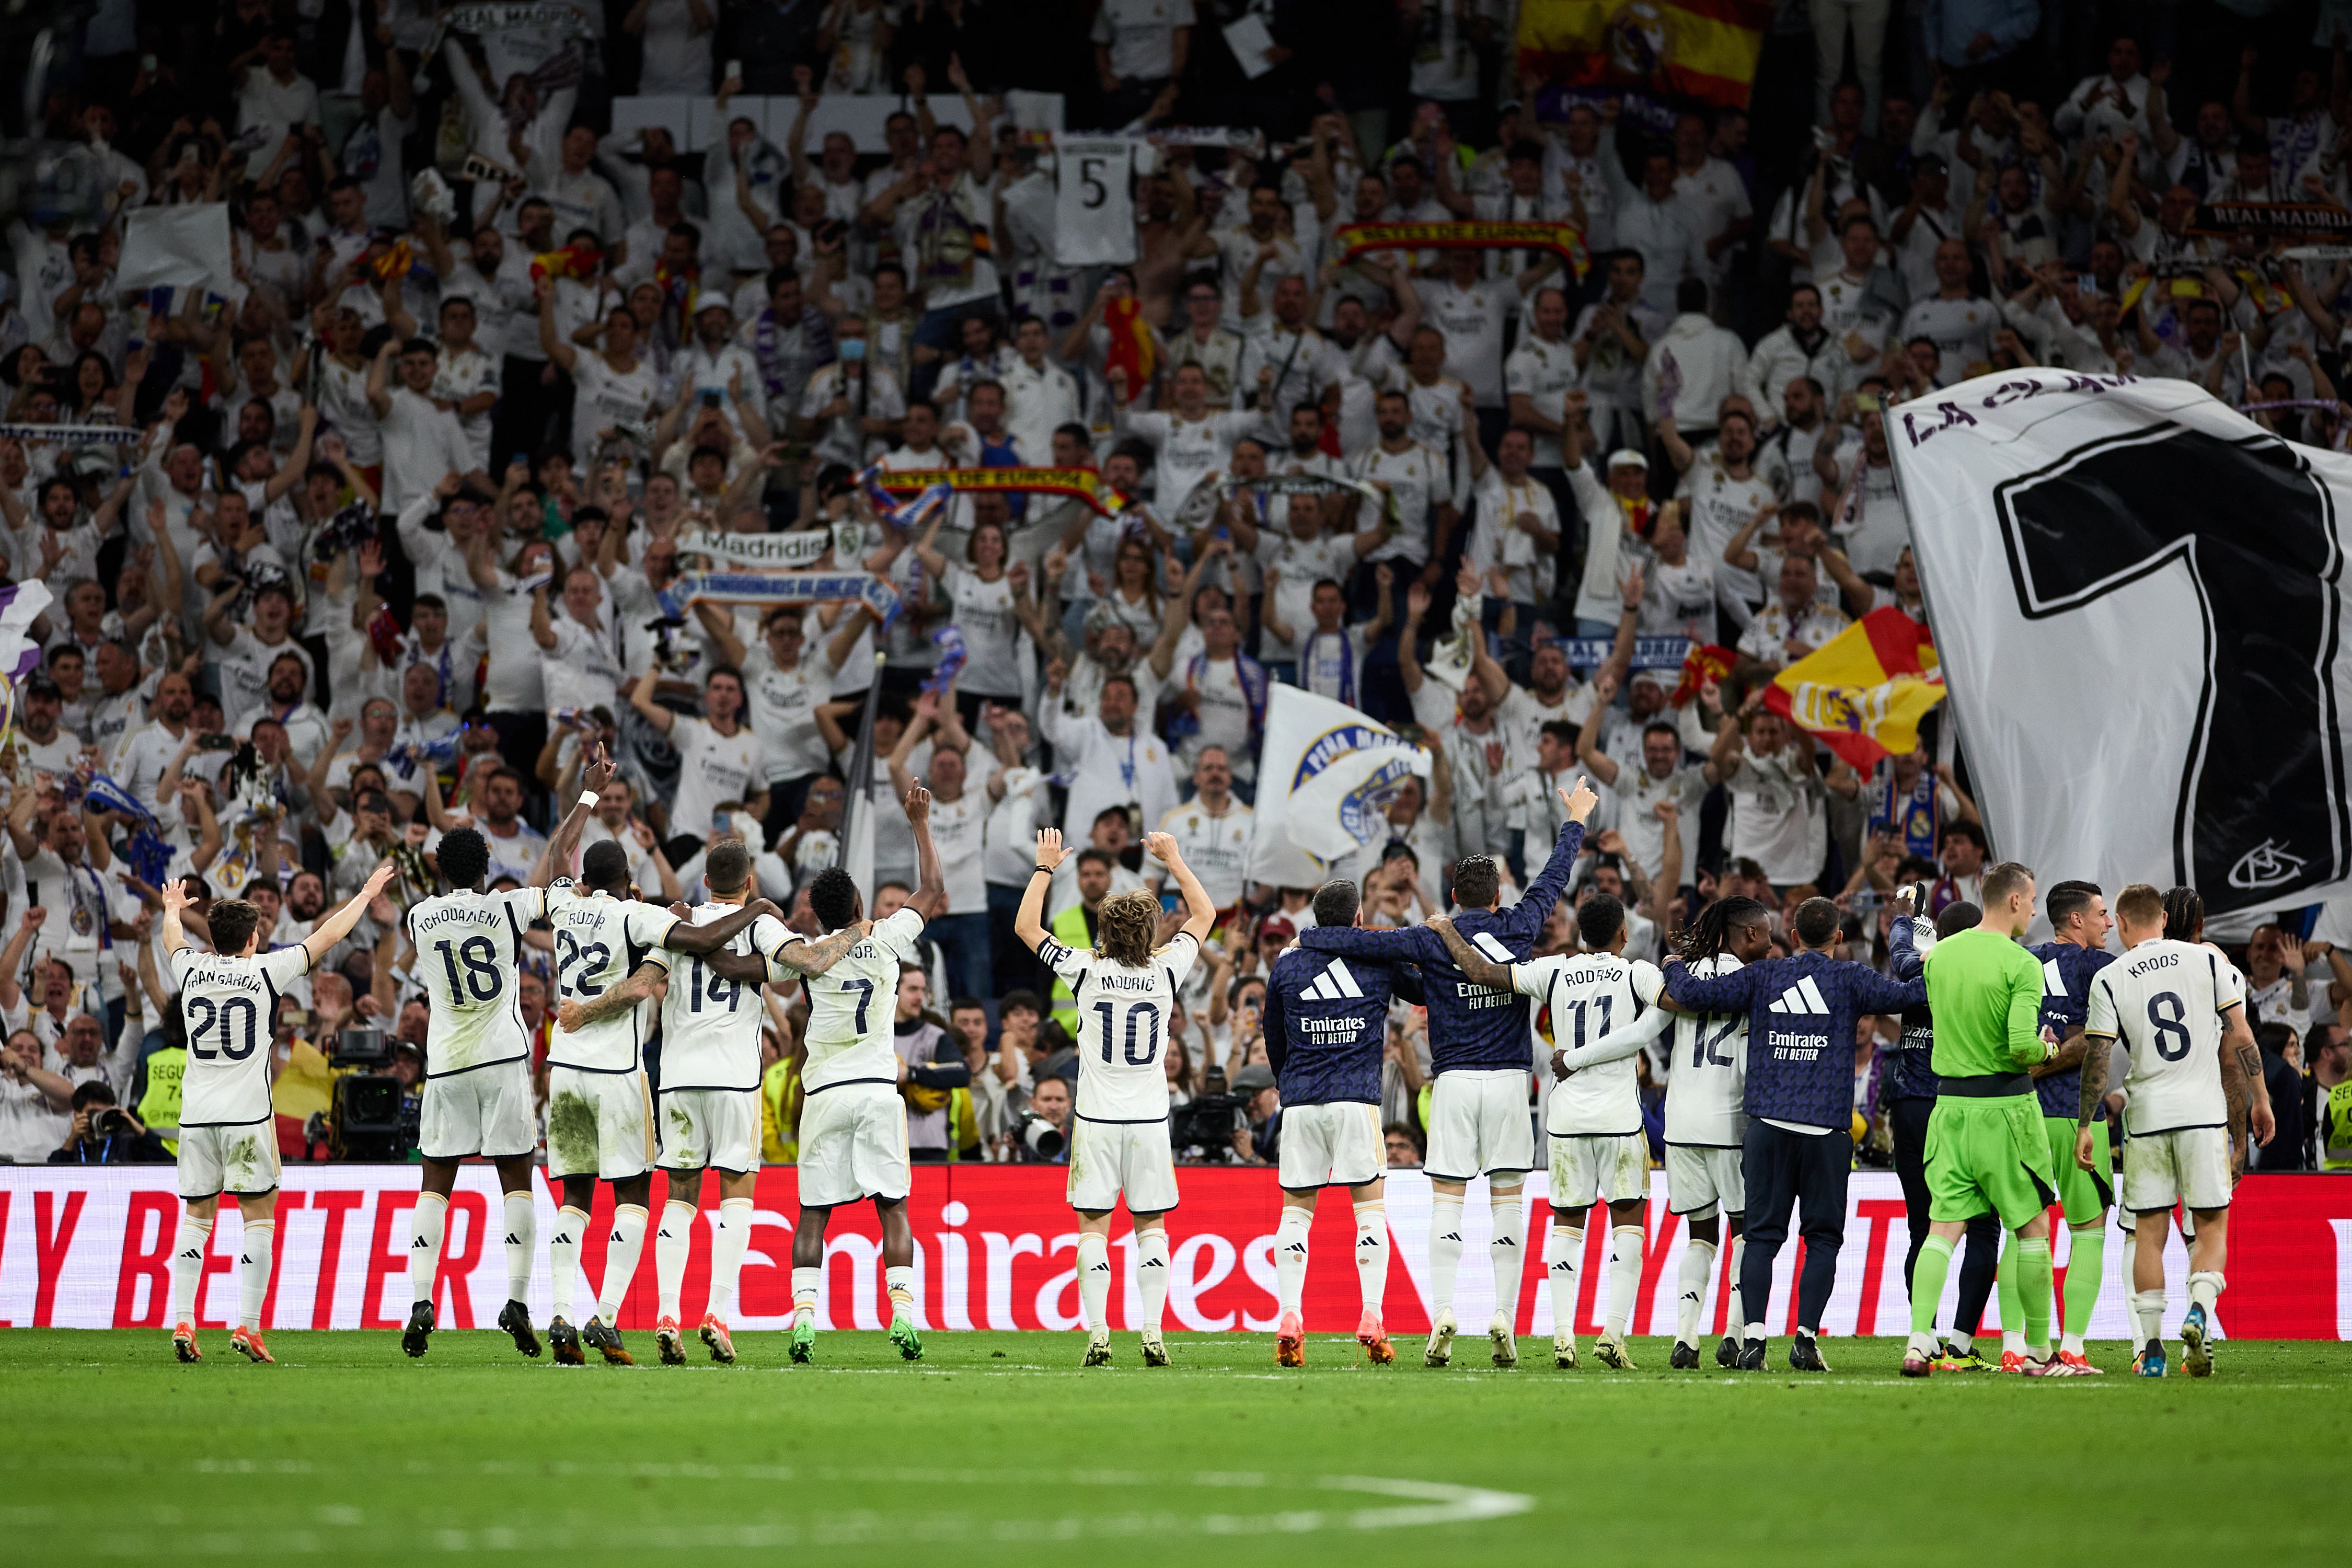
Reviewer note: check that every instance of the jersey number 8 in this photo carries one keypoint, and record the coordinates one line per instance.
(2171, 1033)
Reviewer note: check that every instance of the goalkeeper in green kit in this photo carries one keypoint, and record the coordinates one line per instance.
(1986, 1147)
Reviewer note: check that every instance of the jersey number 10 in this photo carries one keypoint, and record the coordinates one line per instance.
(1136, 1017)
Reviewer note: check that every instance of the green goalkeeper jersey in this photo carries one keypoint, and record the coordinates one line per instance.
(1985, 991)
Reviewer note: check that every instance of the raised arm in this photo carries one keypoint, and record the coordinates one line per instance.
(930, 895)
(1524, 920)
(564, 843)
(1200, 914)
(332, 931)
(1029, 920)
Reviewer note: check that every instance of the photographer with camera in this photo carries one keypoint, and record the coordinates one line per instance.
(103, 1133)
(1040, 1131)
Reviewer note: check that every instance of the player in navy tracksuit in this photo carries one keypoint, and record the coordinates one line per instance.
(1482, 1050)
(1911, 1092)
(1800, 1102)
(1327, 1025)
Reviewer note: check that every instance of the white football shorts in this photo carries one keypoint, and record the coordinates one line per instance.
(853, 1145)
(486, 1110)
(1336, 1145)
(1110, 1160)
(1479, 1125)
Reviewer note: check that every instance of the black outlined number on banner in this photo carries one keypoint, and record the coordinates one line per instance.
(2258, 811)
(1090, 182)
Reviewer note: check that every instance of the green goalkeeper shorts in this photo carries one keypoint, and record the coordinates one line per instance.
(1989, 1154)
(2083, 1194)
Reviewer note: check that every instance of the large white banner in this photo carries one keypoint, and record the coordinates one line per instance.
(1324, 777)
(2136, 597)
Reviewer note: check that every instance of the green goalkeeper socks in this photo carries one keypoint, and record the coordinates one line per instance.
(2033, 1286)
(1927, 1278)
(2013, 1309)
(2084, 1265)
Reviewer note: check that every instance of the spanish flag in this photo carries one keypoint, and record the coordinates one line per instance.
(1701, 49)
(1864, 691)
(1130, 343)
(571, 261)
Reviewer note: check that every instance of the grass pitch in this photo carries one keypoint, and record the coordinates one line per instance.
(997, 1448)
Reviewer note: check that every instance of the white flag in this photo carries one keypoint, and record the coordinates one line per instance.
(1324, 779)
(179, 248)
(1094, 205)
(2136, 602)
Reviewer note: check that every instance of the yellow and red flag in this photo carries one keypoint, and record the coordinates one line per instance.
(1865, 690)
(1705, 662)
(571, 261)
(1130, 343)
(1701, 49)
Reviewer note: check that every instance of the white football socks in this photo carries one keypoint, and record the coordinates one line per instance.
(1372, 1253)
(1152, 1275)
(253, 1269)
(729, 1237)
(1504, 1252)
(1444, 1249)
(672, 1243)
(522, 1243)
(563, 1260)
(2205, 1287)
(1690, 1289)
(806, 1283)
(898, 1284)
(2148, 1312)
(1290, 1257)
(1625, 1277)
(188, 1267)
(426, 1224)
(620, 1250)
(1563, 1255)
(1094, 1280)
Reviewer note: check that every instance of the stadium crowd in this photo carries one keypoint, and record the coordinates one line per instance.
(379, 550)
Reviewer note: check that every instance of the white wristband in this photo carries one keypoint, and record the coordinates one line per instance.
(588, 797)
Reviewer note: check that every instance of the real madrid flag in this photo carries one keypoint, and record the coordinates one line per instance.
(1324, 778)
(2138, 597)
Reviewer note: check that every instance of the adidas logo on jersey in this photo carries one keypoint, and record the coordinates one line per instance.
(1804, 996)
(1333, 983)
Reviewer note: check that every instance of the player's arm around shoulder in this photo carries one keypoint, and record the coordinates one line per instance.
(616, 999)
(1526, 979)
(804, 957)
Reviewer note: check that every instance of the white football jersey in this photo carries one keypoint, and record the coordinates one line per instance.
(710, 1027)
(229, 1005)
(1581, 998)
(599, 941)
(2165, 1000)
(467, 947)
(853, 1007)
(1123, 1019)
(1708, 1077)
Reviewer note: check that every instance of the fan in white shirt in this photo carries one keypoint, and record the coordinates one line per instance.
(422, 440)
(1193, 442)
(612, 388)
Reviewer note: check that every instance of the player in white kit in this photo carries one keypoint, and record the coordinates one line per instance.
(708, 1115)
(1593, 1114)
(1125, 991)
(478, 1094)
(852, 1122)
(1706, 1122)
(2180, 1009)
(599, 1113)
(226, 1009)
